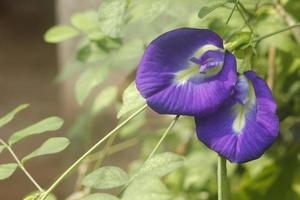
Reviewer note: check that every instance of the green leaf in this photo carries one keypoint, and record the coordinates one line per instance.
(161, 164)
(51, 146)
(48, 124)
(87, 81)
(146, 188)
(8, 117)
(111, 17)
(132, 100)
(100, 196)
(60, 33)
(211, 6)
(104, 99)
(86, 21)
(149, 10)
(6, 170)
(35, 195)
(106, 178)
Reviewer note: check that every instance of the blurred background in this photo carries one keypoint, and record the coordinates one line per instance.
(79, 73)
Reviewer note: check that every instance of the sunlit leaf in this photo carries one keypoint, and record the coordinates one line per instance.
(146, 188)
(6, 170)
(132, 100)
(111, 17)
(104, 99)
(211, 6)
(161, 164)
(100, 196)
(87, 81)
(8, 117)
(86, 21)
(149, 9)
(51, 146)
(60, 33)
(48, 124)
(106, 178)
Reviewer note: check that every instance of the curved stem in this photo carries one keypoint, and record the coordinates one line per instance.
(223, 183)
(232, 11)
(244, 18)
(167, 131)
(257, 40)
(21, 166)
(74, 165)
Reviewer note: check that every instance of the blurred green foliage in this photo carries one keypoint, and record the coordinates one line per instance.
(112, 42)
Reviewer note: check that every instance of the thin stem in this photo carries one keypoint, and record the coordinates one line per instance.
(257, 40)
(163, 137)
(74, 165)
(232, 11)
(244, 18)
(153, 151)
(223, 183)
(21, 166)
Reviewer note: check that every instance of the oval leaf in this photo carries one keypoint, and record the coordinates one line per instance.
(87, 81)
(60, 33)
(48, 124)
(106, 178)
(212, 5)
(104, 99)
(132, 100)
(111, 17)
(8, 117)
(100, 196)
(6, 170)
(161, 164)
(51, 146)
(86, 21)
(146, 188)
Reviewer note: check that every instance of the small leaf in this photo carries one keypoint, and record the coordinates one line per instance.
(146, 188)
(35, 195)
(86, 21)
(106, 178)
(132, 100)
(48, 124)
(205, 10)
(60, 33)
(161, 164)
(111, 17)
(8, 117)
(51, 146)
(100, 196)
(84, 53)
(2, 148)
(104, 99)
(87, 81)
(6, 170)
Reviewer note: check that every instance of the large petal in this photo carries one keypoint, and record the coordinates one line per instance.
(169, 54)
(259, 127)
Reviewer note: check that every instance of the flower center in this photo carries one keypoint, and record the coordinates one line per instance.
(209, 64)
(245, 96)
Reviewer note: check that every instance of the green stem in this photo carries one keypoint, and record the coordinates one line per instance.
(153, 151)
(232, 11)
(223, 183)
(21, 166)
(244, 18)
(257, 40)
(74, 165)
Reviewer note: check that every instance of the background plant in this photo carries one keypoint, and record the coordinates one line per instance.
(112, 40)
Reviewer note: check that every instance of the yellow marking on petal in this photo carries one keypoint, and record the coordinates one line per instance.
(240, 120)
(185, 74)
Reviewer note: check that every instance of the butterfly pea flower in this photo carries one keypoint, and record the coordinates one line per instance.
(245, 125)
(177, 76)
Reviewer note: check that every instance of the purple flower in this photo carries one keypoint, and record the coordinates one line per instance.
(175, 80)
(246, 125)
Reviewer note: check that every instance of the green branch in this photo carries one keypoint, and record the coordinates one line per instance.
(223, 183)
(75, 164)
